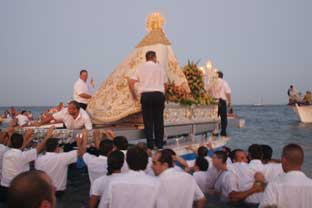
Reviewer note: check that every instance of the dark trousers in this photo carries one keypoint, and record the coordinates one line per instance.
(3, 194)
(83, 106)
(222, 112)
(153, 104)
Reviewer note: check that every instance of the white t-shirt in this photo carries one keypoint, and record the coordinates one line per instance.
(180, 188)
(100, 185)
(151, 77)
(226, 183)
(82, 120)
(3, 149)
(79, 88)
(56, 166)
(220, 88)
(15, 162)
(293, 189)
(97, 166)
(22, 120)
(272, 170)
(202, 178)
(134, 189)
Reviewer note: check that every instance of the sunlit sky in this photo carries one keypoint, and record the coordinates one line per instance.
(262, 46)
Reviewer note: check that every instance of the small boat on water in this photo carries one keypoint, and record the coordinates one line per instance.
(304, 113)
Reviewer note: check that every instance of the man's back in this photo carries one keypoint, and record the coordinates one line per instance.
(97, 166)
(133, 189)
(293, 189)
(56, 166)
(180, 188)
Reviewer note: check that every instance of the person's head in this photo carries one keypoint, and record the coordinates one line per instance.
(292, 157)
(60, 106)
(23, 112)
(137, 159)
(238, 155)
(202, 151)
(150, 56)
(227, 150)
(162, 160)
(52, 145)
(121, 142)
(73, 108)
(115, 161)
(291, 86)
(173, 154)
(219, 159)
(220, 74)
(267, 153)
(106, 147)
(31, 189)
(17, 140)
(201, 164)
(84, 75)
(255, 152)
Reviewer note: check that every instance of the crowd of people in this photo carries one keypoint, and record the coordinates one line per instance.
(296, 97)
(134, 176)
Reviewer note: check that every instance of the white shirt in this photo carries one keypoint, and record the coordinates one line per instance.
(180, 188)
(125, 167)
(97, 166)
(202, 178)
(56, 166)
(134, 189)
(220, 88)
(151, 77)
(245, 173)
(82, 120)
(272, 170)
(79, 88)
(100, 185)
(3, 149)
(22, 120)
(293, 189)
(225, 184)
(15, 162)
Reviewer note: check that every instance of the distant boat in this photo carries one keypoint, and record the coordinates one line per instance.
(304, 113)
(260, 103)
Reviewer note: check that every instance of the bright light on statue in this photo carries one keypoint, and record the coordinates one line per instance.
(202, 69)
(209, 64)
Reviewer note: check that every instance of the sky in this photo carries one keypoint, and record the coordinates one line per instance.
(262, 46)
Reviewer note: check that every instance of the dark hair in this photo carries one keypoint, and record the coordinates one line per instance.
(291, 86)
(166, 157)
(220, 74)
(106, 146)
(233, 154)
(29, 189)
(294, 154)
(170, 151)
(121, 142)
(17, 140)
(227, 150)
(267, 152)
(52, 144)
(255, 152)
(202, 163)
(150, 55)
(23, 111)
(137, 159)
(115, 161)
(82, 71)
(202, 151)
(221, 155)
(75, 103)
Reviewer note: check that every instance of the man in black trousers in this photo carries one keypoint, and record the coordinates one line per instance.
(150, 77)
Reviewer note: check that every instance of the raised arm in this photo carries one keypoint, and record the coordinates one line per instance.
(82, 141)
(40, 147)
(27, 138)
(131, 83)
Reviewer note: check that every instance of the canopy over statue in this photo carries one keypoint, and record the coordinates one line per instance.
(113, 100)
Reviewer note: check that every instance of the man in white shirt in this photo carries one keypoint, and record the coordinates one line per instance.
(135, 188)
(121, 143)
(115, 161)
(81, 90)
(73, 117)
(55, 163)
(97, 165)
(222, 91)
(180, 188)
(293, 189)
(151, 79)
(272, 168)
(200, 173)
(15, 160)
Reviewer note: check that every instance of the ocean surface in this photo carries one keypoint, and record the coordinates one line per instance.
(273, 125)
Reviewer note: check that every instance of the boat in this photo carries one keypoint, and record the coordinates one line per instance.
(304, 112)
(260, 103)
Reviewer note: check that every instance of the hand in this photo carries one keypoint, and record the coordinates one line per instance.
(259, 177)
(209, 146)
(96, 134)
(109, 134)
(50, 132)
(92, 82)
